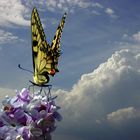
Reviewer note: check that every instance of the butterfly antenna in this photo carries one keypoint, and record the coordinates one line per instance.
(24, 69)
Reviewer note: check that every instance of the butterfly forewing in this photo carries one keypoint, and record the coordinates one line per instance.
(55, 46)
(56, 41)
(40, 49)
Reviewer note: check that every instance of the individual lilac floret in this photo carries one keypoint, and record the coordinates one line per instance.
(28, 116)
(21, 99)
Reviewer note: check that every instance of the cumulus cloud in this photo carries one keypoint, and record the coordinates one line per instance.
(109, 93)
(7, 37)
(13, 12)
(124, 114)
(110, 12)
(68, 4)
(17, 12)
(65, 5)
(136, 36)
(133, 37)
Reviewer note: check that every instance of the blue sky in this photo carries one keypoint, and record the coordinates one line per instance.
(99, 67)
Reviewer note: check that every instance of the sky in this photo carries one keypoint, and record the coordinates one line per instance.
(98, 83)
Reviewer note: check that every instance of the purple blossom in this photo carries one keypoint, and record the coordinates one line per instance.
(21, 99)
(28, 117)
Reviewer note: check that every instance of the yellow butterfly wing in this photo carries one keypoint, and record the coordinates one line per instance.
(55, 46)
(42, 60)
(45, 58)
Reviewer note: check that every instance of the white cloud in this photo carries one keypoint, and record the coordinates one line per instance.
(69, 5)
(133, 37)
(109, 11)
(7, 37)
(13, 12)
(83, 4)
(122, 115)
(114, 85)
(96, 4)
(16, 12)
(136, 36)
(105, 76)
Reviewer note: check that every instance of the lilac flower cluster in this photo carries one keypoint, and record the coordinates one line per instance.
(28, 117)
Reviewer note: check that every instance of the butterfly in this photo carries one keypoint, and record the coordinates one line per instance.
(45, 56)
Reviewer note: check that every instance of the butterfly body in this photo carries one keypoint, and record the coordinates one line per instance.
(45, 56)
